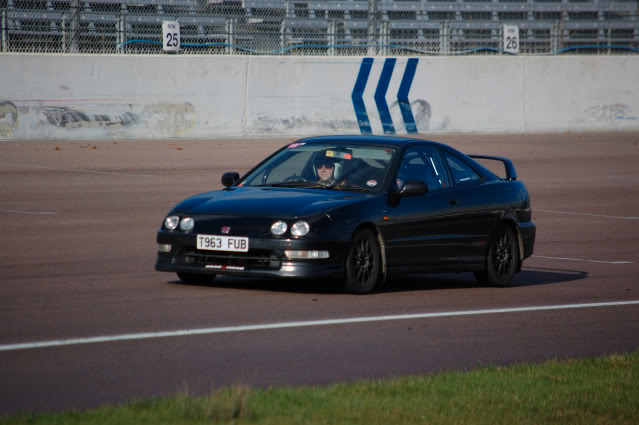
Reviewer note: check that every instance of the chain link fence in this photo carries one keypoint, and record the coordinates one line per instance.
(330, 27)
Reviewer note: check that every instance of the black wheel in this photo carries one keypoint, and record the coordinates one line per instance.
(502, 259)
(363, 263)
(195, 277)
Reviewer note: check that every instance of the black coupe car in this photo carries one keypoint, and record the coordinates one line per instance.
(356, 208)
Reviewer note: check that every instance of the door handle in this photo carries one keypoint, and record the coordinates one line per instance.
(453, 202)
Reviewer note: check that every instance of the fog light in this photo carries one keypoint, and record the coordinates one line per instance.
(306, 255)
(187, 224)
(164, 247)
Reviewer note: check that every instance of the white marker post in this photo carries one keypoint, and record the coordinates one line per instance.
(511, 39)
(171, 36)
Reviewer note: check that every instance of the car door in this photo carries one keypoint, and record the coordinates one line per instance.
(482, 207)
(424, 230)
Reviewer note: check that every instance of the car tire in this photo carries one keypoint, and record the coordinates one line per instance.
(195, 278)
(502, 259)
(363, 263)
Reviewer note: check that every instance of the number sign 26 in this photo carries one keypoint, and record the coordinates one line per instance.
(170, 36)
(511, 39)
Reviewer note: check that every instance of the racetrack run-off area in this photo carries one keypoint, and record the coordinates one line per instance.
(79, 248)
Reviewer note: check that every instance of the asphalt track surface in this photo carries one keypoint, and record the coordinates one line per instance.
(78, 249)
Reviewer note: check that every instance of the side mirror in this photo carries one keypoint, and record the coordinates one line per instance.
(229, 179)
(413, 188)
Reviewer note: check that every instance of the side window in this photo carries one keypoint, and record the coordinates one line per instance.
(424, 164)
(460, 172)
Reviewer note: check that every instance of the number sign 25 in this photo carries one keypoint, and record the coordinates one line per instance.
(170, 36)
(172, 39)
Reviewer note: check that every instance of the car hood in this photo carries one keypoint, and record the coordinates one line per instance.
(268, 202)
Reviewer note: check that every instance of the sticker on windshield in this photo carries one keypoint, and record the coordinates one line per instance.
(295, 145)
(371, 183)
(342, 155)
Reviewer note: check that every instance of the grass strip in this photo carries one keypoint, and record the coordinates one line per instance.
(602, 390)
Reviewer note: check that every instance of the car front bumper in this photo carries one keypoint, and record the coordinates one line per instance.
(265, 258)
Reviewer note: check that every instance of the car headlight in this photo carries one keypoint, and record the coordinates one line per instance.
(171, 222)
(278, 228)
(187, 224)
(300, 228)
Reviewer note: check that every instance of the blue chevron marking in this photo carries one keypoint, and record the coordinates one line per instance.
(380, 96)
(402, 95)
(358, 92)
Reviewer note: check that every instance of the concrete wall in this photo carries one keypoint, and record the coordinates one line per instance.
(123, 96)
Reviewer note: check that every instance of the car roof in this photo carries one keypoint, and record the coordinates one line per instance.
(397, 141)
(369, 139)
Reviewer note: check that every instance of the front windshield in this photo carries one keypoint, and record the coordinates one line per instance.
(338, 166)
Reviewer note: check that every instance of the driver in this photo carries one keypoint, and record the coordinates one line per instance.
(325, 169)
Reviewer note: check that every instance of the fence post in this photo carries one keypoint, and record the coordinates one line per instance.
(118, 39)
(63, 24)
(372, 20)
(125, 36)
(75, 26)
(283, 37)
(4, 30)
(444, 38)
(230, 35)
(331, 38)
(554, 37)
(384, 38)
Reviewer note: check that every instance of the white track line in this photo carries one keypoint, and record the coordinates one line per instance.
(77, 171)
(282, 325)
(28, 212)
(581, 259)
(588, 215)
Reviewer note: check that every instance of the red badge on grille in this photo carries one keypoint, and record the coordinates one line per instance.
(226, 229)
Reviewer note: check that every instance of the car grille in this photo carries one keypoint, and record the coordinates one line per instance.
(253, 260)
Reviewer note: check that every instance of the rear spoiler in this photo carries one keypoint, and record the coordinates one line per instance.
(511, 174)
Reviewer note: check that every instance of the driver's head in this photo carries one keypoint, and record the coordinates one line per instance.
(324, 168)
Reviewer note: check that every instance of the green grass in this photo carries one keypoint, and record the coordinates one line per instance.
(602, 390)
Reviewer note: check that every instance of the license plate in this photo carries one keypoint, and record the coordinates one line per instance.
(223, 243)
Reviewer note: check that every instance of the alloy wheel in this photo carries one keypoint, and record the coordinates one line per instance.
(363, 264)
(503, 254)
(363, 260)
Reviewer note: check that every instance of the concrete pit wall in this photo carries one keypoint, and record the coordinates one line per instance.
(125, 96)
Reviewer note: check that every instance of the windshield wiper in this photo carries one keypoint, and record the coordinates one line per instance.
(337, 187)
(348, 187)
(295, 183)
(308, 185)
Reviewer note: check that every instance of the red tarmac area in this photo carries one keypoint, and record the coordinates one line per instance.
(78, 249)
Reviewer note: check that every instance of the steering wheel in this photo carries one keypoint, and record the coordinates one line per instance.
(296, 179)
